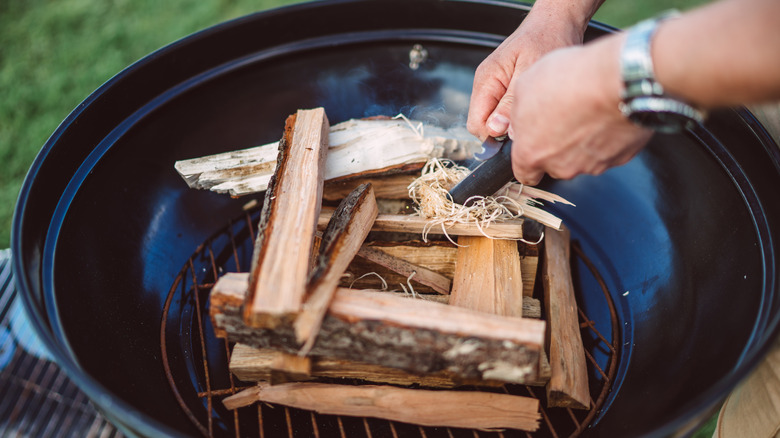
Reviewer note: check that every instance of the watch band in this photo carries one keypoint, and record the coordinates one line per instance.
(636, 62)
(644, 101)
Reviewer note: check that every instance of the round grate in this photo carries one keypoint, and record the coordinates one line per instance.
(196, 361)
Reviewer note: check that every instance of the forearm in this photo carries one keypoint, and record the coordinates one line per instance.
(726, 53)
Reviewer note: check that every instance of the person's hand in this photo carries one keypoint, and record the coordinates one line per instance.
(565, 119)
(491, 100)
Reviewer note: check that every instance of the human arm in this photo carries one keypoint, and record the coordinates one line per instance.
(565, 118)
(551, 24)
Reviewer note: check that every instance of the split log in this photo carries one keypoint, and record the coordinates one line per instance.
(486, 279)
(463, 409)
(568, 386)
(357, 148)
(385, 187)
(341, 240)
(436, 256)
(488, 276)
(402, 223)
(412, 272)
(288, 222)
(263, 365)
(414, 335)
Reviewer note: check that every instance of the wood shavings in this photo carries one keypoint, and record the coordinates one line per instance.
(430, 192)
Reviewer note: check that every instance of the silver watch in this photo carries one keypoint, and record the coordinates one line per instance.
(644, 101)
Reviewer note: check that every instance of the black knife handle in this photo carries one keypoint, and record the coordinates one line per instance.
(486, 179)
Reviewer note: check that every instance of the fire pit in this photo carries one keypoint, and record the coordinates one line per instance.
(109, 248)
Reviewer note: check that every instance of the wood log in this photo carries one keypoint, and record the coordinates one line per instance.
(488, 276)
(262, 364)
(412, 272)
(288, 222)
(357, 148)
(402, 223)
(486, 280)
(341, 240)
(463, 409)
(568, 386)
(414, 335)
(385, 187)
(436, 256)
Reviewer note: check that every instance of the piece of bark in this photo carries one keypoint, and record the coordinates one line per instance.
(568, 386)
(488, 276)
(434, 280)
(402, 223)
(462, 409)
(414, 335)
(341, 240)
(385, 187)
(261, 364)
(357, 147)
(288, 222)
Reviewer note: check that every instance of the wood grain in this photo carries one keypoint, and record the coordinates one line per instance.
(568, 386)
(288, 222)
(463, 409)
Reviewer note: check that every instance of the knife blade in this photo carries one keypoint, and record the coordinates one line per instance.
(490, 175)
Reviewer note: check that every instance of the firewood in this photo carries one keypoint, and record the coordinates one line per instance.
(401, 223)
(385, 187)
(341, 240)
(463, 409)
(568, 386)
(262, 364)
(357, 148)
(414, 335)
(523, 195)
(488, 277)
(437, 256)
(288, 222)
(434, 280)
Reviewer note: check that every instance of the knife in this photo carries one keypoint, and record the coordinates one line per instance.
(491, 174)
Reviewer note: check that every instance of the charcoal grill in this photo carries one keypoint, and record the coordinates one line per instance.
(188, 346)
(684, 237)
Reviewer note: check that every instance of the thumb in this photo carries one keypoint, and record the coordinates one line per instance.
(498, 121)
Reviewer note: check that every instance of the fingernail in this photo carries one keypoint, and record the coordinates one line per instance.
(498, 123)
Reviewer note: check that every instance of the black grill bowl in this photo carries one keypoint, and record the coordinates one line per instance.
(684, 235)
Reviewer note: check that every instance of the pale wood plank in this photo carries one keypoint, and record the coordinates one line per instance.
(476, 410)
(568, 386)
(288, 222)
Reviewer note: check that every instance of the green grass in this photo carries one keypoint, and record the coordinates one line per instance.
(54, 53)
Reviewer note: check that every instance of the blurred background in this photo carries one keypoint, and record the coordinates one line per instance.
(54, 53)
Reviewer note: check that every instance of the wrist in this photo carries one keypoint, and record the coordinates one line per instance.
(571, 19)
(644, 100)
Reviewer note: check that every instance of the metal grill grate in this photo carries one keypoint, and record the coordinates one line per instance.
(196, 362)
